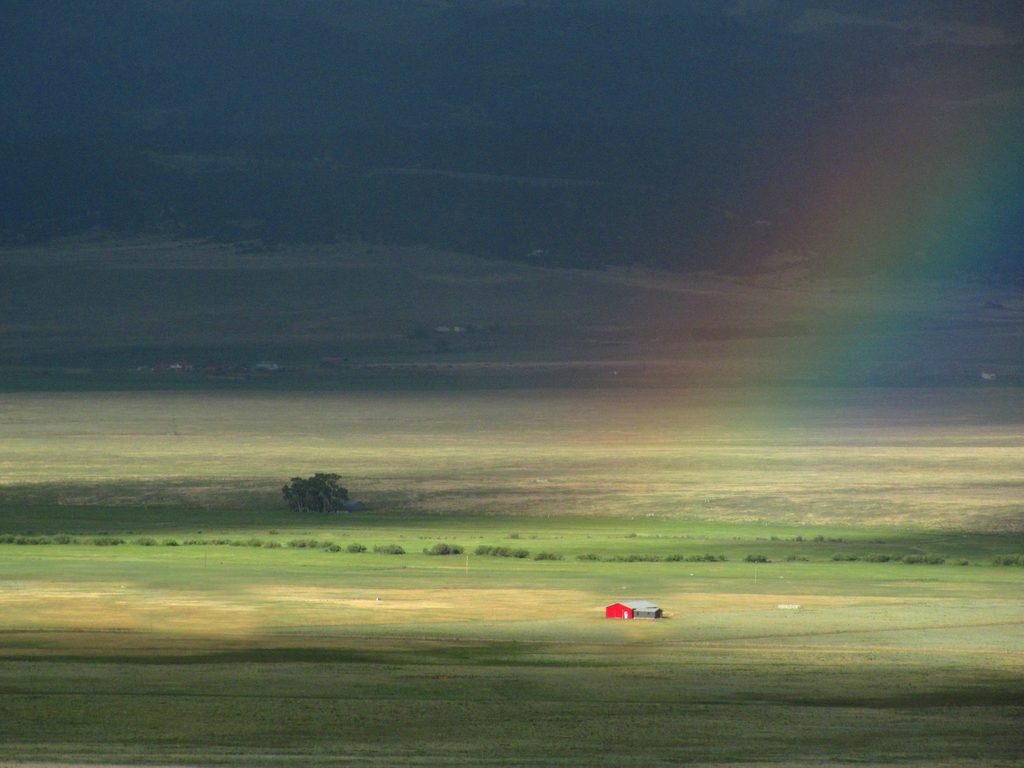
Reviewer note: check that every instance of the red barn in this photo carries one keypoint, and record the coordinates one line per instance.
(633, 609)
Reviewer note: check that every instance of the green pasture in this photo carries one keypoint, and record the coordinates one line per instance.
(219, 633)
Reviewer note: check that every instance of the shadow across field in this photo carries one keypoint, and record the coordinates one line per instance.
(482, 703)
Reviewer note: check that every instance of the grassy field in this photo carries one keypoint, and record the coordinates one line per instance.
(220, 633)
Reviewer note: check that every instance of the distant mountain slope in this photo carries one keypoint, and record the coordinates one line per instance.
(855, 135)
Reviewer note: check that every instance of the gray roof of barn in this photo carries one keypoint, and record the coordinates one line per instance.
(635, 604)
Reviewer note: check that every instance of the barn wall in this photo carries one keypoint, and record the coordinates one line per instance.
(618, 611)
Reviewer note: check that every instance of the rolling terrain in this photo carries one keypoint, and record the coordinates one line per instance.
(85, 313)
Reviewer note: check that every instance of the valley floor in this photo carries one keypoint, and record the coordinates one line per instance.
(160, 606)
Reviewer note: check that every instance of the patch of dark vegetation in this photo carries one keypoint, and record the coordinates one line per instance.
(247, 542)
(145, 541)
(548, 556)
(848, 557)
(389, 549)
(756, 559)
(170, 542)
(309, 544)
(495, 551)
(923, 559)
(1016, 559)
(355, 548)
(796, 559)
(25, 540)
(826, 540)
(588, 556)
(443, 548)
(105, 541)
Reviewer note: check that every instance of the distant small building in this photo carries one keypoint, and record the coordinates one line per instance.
(633, 609)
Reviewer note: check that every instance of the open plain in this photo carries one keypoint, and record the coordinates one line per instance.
(160, 605)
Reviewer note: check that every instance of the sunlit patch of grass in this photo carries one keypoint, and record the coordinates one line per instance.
(733, 455)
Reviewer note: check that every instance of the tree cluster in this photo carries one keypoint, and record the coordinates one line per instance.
(319, 493)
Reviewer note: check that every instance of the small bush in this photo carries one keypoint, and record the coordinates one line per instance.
(106, 541)
(588, 556)
(304, 543)
(483, 549)
(548, 556)
(271, 545)
(922, 560)
(170, 542)
(756, 559)
(877, 558)
(64, 538)
(845, 557)
(444, 548)
(389, 549)
(355, 548)
(192, 542)
(32, 540)
(796, 559)
(146, 541)
(706, 558)
(961, 561)
(332, 548)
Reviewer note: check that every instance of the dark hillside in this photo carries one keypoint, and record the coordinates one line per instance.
(683, 135)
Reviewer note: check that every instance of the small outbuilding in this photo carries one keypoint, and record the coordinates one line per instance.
(633, 609)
